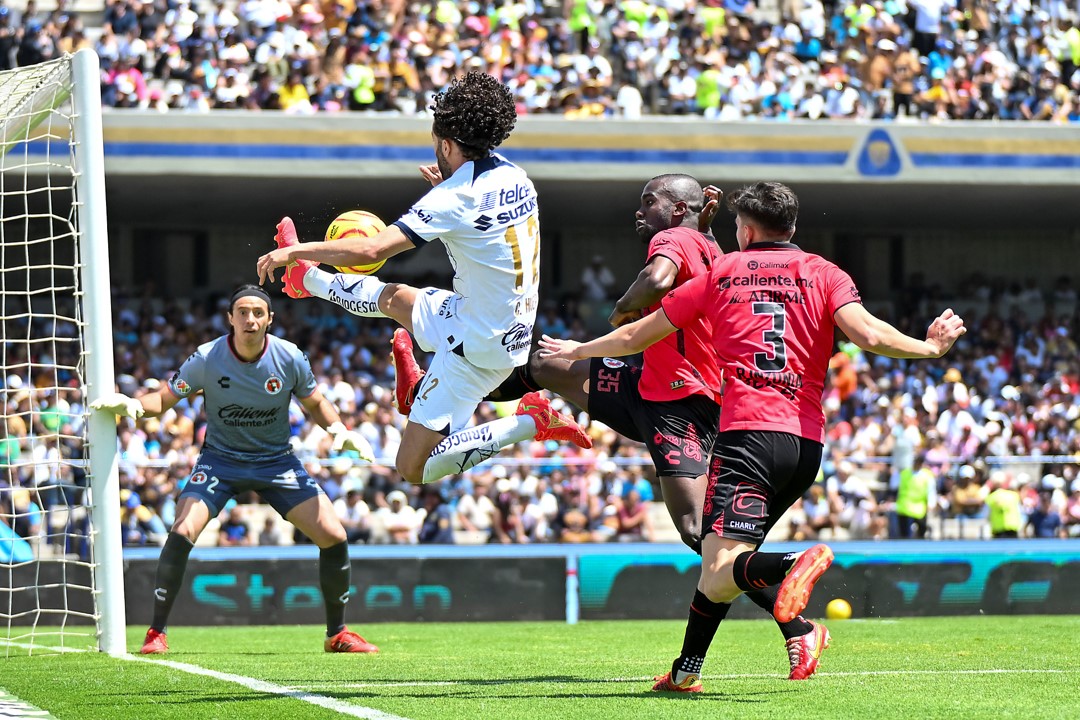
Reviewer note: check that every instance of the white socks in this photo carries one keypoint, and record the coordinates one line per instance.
(359, 294)
(464, 449)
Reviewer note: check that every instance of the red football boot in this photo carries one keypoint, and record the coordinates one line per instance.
(406, 371)
(551, 425)
(293, 279)
(155, 643)
(690, 683)
(347, 641)
(795, 590)
(804, 652)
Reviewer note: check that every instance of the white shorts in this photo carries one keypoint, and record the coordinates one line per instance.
(453, 386)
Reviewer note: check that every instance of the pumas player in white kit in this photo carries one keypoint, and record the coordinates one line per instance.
(483, 209)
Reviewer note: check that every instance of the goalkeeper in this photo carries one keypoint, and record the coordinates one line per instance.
(247, 379)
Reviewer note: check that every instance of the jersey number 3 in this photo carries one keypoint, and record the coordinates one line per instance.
(774, 337)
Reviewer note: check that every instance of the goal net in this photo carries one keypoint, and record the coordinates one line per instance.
(60, 565)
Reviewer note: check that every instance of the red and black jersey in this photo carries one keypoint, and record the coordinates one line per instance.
(771, 309)
(684, 363)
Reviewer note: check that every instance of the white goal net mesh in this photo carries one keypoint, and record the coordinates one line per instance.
(47, 595)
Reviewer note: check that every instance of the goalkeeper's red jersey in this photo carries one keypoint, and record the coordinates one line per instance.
(771, 309)
(682, 364)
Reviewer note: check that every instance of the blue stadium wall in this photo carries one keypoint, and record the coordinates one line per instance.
(884, 199)
(431, 583)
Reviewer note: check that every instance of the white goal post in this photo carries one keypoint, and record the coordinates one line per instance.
(61, 567)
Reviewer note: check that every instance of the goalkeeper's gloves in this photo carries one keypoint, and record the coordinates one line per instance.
(119, 404)
(345, 439)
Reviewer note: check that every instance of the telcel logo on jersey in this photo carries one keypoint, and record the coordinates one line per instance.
(514, 195)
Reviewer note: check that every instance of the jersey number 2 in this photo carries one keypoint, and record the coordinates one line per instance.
(774, 337)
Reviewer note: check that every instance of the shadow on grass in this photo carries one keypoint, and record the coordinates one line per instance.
(464, 689)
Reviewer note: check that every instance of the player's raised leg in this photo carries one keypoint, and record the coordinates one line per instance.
(438, 442)
(568, 379)
(361, 295)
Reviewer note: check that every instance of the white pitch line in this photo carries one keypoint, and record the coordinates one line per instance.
(338, 706)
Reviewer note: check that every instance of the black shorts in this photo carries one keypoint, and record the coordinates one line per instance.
(754, 477)
(678, 433)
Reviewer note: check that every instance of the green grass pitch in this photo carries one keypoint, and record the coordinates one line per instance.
(912, 668)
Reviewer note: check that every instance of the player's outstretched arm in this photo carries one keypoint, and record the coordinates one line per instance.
(654, 280)
(875, 335)
(348, 251)
(152, 404)
(626, 340)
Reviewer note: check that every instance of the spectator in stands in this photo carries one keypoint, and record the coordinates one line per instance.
(967, 499)
(1071, 517)
(1005, 510)
(915, 496)
(399, 519)
(1044, 519)
(26, 516)
(438, 525)
(634, 522)
(597, 280)
(575, 528)
(270, 535)
(476, 512)
(234, 529)
(355, 516)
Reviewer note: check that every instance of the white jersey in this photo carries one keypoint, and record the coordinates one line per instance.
(486, 216)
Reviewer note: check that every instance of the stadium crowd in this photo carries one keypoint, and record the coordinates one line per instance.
(724, 59)
(906, 441)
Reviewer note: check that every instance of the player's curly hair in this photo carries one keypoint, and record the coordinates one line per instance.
(771, 205)
(475, 111)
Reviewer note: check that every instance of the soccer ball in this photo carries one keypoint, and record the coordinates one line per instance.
(352, 224)
(838, 609)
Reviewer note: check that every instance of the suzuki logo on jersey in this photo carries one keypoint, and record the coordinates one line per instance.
(273, 385)
(486, 222)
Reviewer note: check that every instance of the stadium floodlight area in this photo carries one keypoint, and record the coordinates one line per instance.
(61, 571)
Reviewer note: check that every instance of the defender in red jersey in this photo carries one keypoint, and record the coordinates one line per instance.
(773, 308)
(671, 403)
